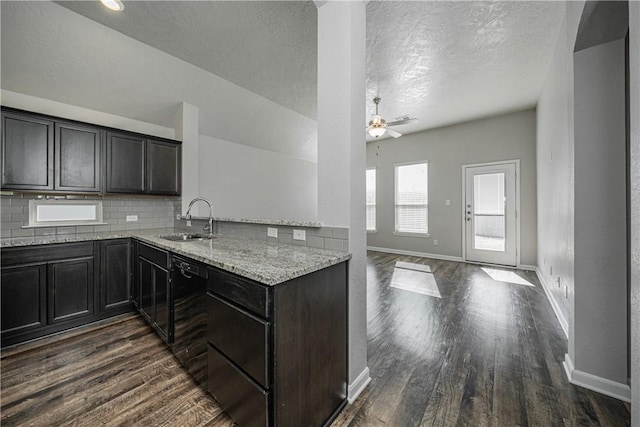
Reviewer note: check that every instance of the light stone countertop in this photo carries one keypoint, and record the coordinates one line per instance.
(283, 222)
(265, 262)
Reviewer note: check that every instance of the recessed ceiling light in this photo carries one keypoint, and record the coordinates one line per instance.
(113, 5)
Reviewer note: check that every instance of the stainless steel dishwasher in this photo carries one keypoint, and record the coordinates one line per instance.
(189, 280)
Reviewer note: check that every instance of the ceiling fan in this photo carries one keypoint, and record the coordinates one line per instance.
(378, 126)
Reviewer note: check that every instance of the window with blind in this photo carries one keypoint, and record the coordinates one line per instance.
(371, 199)
(412, 198)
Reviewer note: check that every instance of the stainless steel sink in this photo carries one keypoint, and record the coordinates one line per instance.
(186, 237)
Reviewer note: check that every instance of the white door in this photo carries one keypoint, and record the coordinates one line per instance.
(490, 215)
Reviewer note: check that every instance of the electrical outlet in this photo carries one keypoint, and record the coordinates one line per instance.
(132, 218)
(188, 223)
(272, 232)
(447, 202)
(435, 242)
(177, 216)
(299, 235)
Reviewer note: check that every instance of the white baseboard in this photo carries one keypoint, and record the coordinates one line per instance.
(357, 386)
(598, 384)
(554, 304)
(412, 253)
(527, 267)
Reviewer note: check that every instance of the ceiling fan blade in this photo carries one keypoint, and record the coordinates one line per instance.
(402, 121)
(393, 133)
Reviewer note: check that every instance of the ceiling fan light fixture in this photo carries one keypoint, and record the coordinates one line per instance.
(115, 5)
(377, 131)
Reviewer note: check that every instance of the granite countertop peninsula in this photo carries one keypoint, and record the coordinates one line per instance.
(265, 262)
(283, 222)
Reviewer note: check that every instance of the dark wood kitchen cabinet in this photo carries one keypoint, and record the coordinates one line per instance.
(125, 163)
(27, 152)
(155, 289)
(46, 289)
(62, 156)
(278, 354)
(78, 155)
(116, 274)
(70, 284)
(163, 167)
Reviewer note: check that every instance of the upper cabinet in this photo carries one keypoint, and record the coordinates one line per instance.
(27, 152)
(44, 153)
(163, 167)
(125, 163)
(77, 158)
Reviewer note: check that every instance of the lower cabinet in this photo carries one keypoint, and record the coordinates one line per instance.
(154, 289)
(116, 276)
(70, 286)
(49, 288)
(278, 354)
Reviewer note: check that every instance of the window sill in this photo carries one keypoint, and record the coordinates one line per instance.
(372, 231)
(68, 224)
(405, 234)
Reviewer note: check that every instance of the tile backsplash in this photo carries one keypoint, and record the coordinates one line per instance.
(334, 238)
(160, 212)
(152, 212)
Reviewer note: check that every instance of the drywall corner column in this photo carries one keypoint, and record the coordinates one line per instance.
(187, 132)
(342, 156)
(634, 89)
(600, 310)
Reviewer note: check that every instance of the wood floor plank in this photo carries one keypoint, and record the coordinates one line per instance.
(487, 353)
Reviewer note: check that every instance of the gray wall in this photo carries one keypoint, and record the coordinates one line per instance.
(505, 137)
(634, 71)
(600, 306)
(554, 153)
(153, 212)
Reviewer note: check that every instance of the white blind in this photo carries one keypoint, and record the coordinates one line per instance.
(371, 199)
(412, 198)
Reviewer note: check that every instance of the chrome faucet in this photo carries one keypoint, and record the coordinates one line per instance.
(209, 227)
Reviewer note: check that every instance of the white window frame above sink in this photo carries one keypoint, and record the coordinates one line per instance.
(60, 213)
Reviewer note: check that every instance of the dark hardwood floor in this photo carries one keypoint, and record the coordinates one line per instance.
(487, 353)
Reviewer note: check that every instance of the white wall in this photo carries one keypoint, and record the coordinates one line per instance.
(600, 303)
(247, 182)
(505, 137)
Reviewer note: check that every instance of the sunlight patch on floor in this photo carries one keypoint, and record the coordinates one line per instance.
(506, 276)
(413, 266)
(419, 282)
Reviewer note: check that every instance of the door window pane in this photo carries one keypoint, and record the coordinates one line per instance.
(489, 212)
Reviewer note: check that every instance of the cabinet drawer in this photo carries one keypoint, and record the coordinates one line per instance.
(240, 336)
(246, 293)
(245, 402)
(44, 253)
(157, 256)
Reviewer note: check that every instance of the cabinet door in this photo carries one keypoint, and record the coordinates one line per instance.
(77, 158)
(23, 297)
(27, 152)
(162, 313)
(146, 279)
(163, 167)
(125, 163)
(70, 289)
(115, 284)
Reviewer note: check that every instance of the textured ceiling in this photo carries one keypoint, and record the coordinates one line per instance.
(444, 62)
(267, 47)
(448, 62)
